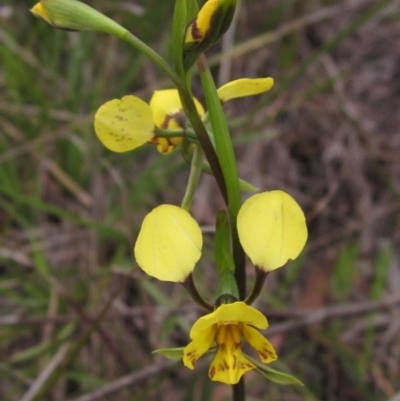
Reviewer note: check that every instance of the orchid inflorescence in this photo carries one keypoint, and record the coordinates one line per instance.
(268, 227)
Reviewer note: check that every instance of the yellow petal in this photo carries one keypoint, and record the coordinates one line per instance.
(124, 124)
(169, 244)
(264, 348)
(230, 313)
(244, 87)
(164, 146)
(229, 364)
(167, 109)
(197, 30)
(272, 229)
(198, 347)
(39, 12)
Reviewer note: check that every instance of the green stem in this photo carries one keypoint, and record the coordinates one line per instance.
(153, 56)
(194, 177)
(258, 285)
(223, 142)
(227, 161)
(188, 106)
(176, 133)
(239, 391)
(191, 113)
(192, 290)
(169, 133)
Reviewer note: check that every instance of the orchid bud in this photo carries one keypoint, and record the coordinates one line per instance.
(212, 21)
(72, 15)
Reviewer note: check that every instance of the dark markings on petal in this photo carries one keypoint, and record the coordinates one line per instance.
(212, 372)
(179, 117)
(266, 354)
(196, 34)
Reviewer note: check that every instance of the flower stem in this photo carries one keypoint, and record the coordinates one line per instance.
(196, 168)
(188, 106)
(205, 141)
(239, 391)
(169, 133)
(227, 160)
(153, 56)
(192, 290)
(258, 285)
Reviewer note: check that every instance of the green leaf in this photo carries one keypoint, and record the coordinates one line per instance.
(43, 348)
(193, 9)
(223, 142)
(278, 377)
(170, 353)
(274, 375)
(178, 34)
(247, 187)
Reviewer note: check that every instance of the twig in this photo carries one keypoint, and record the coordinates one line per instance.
(285, 29)
(127, 381)
(14, 320)
(306, 317)
(104, 335)
(74, 349)
(45, 374)
(319, 315)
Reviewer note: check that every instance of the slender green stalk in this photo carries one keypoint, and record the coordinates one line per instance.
(227, 161)
(222, 137)
(188, 106)
(205, 142)
(169, 133)
(153, 56)
(196, 169)
(258, 286)
(192, 290)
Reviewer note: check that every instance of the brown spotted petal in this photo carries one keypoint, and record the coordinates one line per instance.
(226, 326)
(124, 124)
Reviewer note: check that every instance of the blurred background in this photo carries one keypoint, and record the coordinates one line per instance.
(327, 133)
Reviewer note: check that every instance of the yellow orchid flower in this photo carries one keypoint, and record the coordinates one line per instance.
(226, 327)
(168, 114)
(271, 229)
(128, 123)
